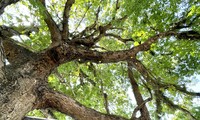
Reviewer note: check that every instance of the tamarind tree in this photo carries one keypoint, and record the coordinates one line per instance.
(99, 59)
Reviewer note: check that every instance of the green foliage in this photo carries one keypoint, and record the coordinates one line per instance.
(172, 61)
(36, 113)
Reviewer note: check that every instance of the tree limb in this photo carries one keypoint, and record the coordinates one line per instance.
(67, 105)
(53, 28)
(105, 96)
(191, 35)
(21, 30)
(65, 52)
(124, 40)
(15, 53)
(158, 104)
(65, 22)
(140, 102)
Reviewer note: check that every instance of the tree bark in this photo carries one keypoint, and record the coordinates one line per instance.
(65, 104)
(138, 96)
(21, 87)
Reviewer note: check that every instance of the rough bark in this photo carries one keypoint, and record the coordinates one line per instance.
(20, 90)
(138, 96)
(65, 104)
(18, 84)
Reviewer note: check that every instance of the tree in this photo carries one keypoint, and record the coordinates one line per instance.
(79, 58)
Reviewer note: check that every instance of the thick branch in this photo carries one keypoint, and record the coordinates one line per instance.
(70, 107)
(21, 30)
(67, 52)
(140, 102)
(16, 54)
(53, 28)
(65, 22)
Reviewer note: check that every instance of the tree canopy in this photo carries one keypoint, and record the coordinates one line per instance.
(126, 59)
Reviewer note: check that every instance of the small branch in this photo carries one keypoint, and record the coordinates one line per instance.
(183, 23)
(87, 29)
(147, 44)
(116, 8)
(97, 13)
(82, 18)
(158, 104)
(139, 107)
(106, 103)
(62, 80)
(179, 88)
(119, 37)
(83, 75)
(59, 76)
(191, 35)
(143, 71)
(21, 30)
(90, 27)
(65, 22)
(174, 106)
(105, 96)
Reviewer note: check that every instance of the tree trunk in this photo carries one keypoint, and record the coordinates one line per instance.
(17, 88)
(20, 79)
(16, 100)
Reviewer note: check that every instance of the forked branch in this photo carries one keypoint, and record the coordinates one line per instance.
(53, 28)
